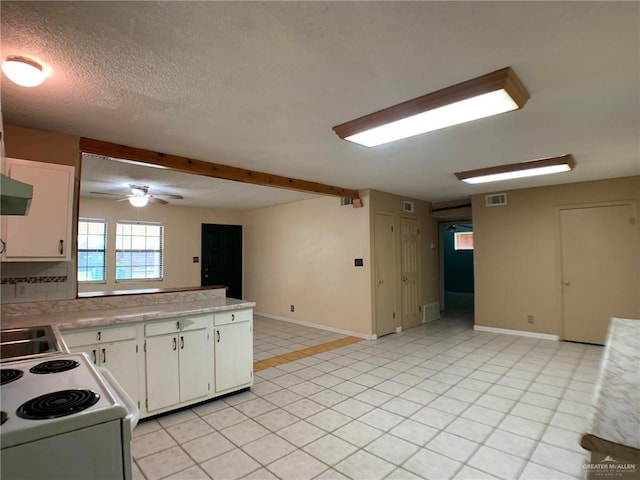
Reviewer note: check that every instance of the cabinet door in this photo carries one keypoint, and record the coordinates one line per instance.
(92, 350)
(195, 364)
(233, 355)
(45, 232)
(121, 359)
(162, 371)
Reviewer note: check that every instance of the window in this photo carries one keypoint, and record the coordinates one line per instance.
(463, 240)
(138, 251)
(92, 234)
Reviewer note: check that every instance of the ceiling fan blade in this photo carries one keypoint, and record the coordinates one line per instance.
(156, 200)
(169, 195)
(123, 199)
(105, 193)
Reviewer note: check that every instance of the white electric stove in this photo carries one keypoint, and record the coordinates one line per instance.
(61, 417)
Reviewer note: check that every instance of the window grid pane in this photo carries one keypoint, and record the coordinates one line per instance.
(91, 250)
(138, 251)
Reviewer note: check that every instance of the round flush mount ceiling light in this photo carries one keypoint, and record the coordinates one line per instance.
(23, 71)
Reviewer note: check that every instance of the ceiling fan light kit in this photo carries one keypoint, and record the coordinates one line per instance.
(23, 71)
(497, 92)
(531, 168)
(138, 201)
(140, 196)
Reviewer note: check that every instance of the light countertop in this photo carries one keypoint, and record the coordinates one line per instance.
(106, 311)
(615, 429)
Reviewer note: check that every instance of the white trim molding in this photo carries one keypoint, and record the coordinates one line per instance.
(317, 325)
(521, 333)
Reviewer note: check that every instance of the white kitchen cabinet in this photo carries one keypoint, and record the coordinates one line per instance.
(178, 358)
(115, 349)
(44, 234)
(233, 346)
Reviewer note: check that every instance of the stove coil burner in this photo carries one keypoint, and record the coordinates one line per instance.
(9, 375)
(3, 417)
(54, 366)
(57, 404)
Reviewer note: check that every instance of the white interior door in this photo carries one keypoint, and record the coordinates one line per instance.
(384, 274)
(599, 269)
(410, 272)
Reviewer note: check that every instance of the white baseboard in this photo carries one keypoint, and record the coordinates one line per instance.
(317, 325)
(521, 333)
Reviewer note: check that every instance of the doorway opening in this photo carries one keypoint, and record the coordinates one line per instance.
(456, 268)
(222, 257)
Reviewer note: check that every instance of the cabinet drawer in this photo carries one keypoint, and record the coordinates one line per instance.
(88, 337)
(234, 316)
(183, 324)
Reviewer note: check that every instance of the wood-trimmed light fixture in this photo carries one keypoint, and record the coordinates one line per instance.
(532, 168)
(497, 92)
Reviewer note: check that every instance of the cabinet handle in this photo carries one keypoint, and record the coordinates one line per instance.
(175, 344)
(61, 247)
(233, 317)
(218, 334)
(177, 325)
(104, 356)
(3, 246)
(93, 354)
(99, 335)
(181, 343)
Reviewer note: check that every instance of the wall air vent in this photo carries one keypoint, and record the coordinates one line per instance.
(408, 207)
(346, 201)
(495, 199)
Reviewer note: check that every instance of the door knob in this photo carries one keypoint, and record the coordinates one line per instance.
(566, 283)
(404, 279)
(380, 282)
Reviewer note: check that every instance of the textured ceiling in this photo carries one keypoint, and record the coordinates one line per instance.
(259, 85)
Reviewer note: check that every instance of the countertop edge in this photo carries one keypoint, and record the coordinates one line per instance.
(102, 318)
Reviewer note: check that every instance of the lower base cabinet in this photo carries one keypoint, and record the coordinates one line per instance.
(115, 349)
(233, 360)
(178, 364)
(169, 364)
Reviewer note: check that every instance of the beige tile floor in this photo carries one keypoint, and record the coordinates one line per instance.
(437, 401)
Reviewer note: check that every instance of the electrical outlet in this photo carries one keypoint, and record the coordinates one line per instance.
(530, 318)
(21, 289)
(293, 308)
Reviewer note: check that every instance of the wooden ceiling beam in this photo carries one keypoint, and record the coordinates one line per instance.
(215, 170)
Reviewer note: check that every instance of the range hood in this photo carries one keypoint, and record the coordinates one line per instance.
(15, 196)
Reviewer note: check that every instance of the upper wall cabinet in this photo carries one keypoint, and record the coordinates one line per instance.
(44, 234)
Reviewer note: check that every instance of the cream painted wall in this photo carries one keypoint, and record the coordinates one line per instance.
(516, 258)
(182, 238)
(429, 269)
(302, 254)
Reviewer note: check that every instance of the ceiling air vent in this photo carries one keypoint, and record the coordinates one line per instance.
(408, 207)
(495, 199)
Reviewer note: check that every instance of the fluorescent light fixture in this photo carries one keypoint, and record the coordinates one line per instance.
(497, 92)
(138, 201)
(532, 168)
(23, 71)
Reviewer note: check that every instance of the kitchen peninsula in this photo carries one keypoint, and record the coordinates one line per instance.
(167, 350)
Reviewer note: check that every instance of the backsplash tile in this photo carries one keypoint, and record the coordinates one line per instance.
(37, 281)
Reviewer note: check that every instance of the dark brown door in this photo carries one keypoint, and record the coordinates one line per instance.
(222, 257)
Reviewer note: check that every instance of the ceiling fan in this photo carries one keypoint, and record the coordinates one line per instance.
(140, 196)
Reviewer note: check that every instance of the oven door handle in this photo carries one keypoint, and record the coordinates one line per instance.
(133, 414)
